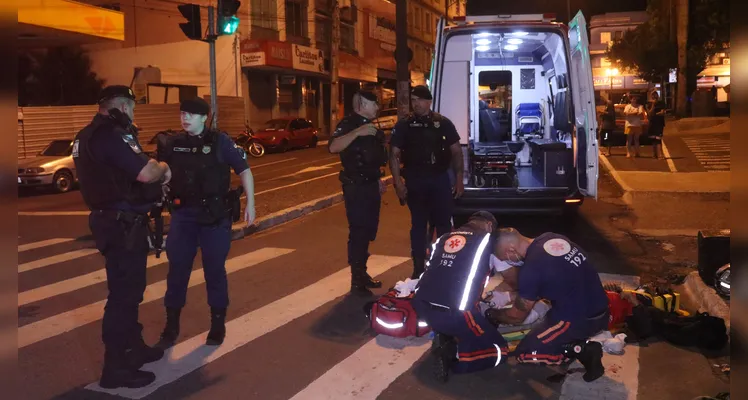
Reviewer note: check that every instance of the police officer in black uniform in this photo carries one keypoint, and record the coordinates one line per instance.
(428, 144)
(120, 184)
(203, 208)
(363, 156)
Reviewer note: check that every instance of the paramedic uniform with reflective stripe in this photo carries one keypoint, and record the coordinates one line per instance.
(447, 297)
(558, 270)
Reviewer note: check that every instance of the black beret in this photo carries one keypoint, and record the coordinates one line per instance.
(368, 95)
(113, 91)
(195, 106)
(486, 216)
(421, 92)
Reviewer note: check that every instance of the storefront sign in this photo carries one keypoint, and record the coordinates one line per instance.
(352, 67)
(308, 59)
(605, 82)
(382, 29)
(261, 53)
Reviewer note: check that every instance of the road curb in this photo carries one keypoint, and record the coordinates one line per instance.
(630, 194)
(697, 293)
(241, 230)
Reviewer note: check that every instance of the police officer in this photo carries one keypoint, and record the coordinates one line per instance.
(120, 184)
(363, 156)
(428, 144)
(447, 298)
(201, 160)
(554, 268)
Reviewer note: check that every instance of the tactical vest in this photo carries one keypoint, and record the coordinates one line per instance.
(366, 155)
(426, 144)
(198, 173)
(102, 185)
(452, 277)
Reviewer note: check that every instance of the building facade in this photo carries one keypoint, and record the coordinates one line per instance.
(610, 82)
(278, 61)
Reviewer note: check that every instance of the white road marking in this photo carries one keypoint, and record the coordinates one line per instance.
(668, 158)
(296, 183)
(43, 243)
(72, 255)
(76, 283)
(305, 170)
(67, 321)
(271, 163)
(192, 354)
(53, 213)
(366, 373)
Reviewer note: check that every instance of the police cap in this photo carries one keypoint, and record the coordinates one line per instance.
(485, 216)
(422, 92)
(368, 95)
(114, 91)
(195, 106)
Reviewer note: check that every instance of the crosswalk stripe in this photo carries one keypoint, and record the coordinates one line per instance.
(76, 283)
(43, 243)
(366, 373)
(192, 354)
(67, 321)
(55, 259)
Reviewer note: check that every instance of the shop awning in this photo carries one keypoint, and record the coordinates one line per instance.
(69, 22)
(716, 70)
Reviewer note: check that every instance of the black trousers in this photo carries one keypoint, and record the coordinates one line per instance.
(125, 248)
(362, 206)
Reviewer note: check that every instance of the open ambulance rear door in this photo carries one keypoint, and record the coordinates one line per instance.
(583, 95)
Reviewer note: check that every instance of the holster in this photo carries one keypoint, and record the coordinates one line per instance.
(214, 210)
(133, 223)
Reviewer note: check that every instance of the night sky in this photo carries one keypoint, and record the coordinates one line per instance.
(588, 7)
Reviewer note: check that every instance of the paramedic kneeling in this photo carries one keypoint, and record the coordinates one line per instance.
(447, 297)
(554, 268)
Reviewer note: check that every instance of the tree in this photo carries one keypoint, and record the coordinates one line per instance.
(60, 76)
(649, 51)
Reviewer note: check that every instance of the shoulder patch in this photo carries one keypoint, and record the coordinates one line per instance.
(557, 247)
(454, 244)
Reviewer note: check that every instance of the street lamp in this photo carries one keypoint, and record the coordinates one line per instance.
(611, 73)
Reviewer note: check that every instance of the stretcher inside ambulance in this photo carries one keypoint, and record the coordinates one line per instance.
(519, 91)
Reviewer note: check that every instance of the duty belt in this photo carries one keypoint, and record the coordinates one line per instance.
(347, 177)
(132, 221)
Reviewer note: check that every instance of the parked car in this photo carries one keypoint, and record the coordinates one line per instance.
(387, 119)
(53, 167)
(287, 133)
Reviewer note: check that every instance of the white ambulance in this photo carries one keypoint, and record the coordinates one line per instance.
(519, 90)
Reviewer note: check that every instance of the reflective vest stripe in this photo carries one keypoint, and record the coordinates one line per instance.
(473, 270)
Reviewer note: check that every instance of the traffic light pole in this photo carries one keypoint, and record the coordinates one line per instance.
(401, 58)
(212, 55)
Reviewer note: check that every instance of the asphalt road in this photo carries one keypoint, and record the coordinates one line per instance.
(294, 333)
(282, 180)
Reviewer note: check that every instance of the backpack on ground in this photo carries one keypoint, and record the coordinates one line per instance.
(394, 316)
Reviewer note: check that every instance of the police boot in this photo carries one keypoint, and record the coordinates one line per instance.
(171, 330)
(366, 279)
(118, 372)
(444, 351)
(217, 326)
(590, 354)
(141, 354)
(359, 283)
(418, 268)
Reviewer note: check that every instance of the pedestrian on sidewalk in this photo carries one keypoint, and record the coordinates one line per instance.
(203, 209)
(363, 156)
(656, 112)
(634, 113)
(120, 184)
(608, 124)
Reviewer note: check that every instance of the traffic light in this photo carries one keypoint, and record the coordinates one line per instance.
(192, 28)
(228, 22)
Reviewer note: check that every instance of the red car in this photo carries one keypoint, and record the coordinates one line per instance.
(287, 133)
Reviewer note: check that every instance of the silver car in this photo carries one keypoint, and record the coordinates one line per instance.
(53, 166)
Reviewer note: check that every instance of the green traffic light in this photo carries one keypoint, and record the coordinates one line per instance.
(229, 25)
